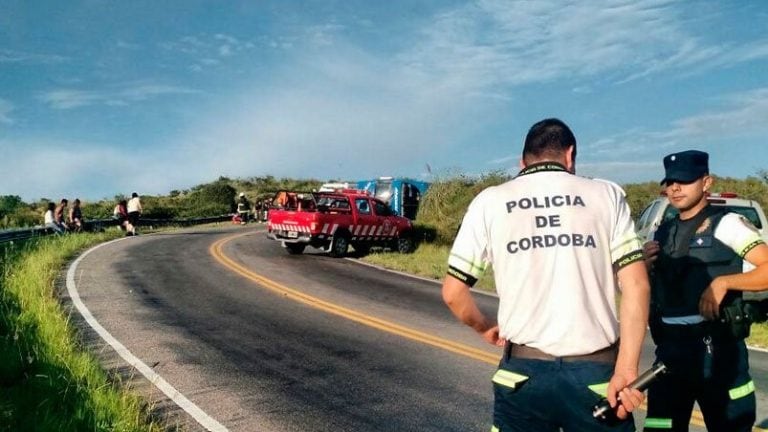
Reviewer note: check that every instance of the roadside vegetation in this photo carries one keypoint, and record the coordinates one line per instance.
(48, 382)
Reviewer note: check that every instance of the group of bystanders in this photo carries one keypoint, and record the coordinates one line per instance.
(127, 213)
(60, 219)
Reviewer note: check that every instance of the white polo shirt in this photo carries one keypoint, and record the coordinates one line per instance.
(554, 240)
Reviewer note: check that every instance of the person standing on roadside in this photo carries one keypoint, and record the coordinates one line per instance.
(76, 216)
(134, 211)
(60, 213)
(555, 242)
(120, 213)
(243, 208)
(696, 263)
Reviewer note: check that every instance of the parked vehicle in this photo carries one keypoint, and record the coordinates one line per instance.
(332, 221)
(659, 210)
(402, 194)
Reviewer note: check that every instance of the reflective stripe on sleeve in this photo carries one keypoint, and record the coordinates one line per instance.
(467, 266)
(601, 389)
(658, 423)
(741, 391)
(508, 379)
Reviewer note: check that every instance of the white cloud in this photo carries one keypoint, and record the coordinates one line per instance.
(498, 42)
(742, 115)
(745, 115)
(205, 47)
(622, 172)
(11, 56)
(57, 168)
(70, 98)
(5, 109)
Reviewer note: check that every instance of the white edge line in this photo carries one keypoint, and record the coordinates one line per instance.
(179, 399)
(475, 290)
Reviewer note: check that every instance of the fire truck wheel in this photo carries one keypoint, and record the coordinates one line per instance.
(295, 248)
(339, 246)
(405, 244)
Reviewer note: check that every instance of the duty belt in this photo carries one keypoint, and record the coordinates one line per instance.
(605, 355)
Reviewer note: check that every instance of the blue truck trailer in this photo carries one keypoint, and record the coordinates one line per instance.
(402, 194)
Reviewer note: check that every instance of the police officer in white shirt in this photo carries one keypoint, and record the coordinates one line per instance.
(555, 242)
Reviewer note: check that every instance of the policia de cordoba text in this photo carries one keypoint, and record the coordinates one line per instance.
(548, 240)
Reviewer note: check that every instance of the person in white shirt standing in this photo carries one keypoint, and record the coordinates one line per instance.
(555, 242)
(134, 211)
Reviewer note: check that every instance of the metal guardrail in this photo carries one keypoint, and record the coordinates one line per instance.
(99, 224)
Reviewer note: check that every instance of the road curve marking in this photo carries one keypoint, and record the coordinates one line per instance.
(377, 323)
(179, 399)
(216, 251)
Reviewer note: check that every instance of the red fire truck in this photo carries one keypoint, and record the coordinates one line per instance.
(332, 221)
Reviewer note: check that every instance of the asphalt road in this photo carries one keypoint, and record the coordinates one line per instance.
(292, 343)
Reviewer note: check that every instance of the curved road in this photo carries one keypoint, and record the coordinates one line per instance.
(261, 340)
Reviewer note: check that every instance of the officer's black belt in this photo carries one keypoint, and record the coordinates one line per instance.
(605, 355)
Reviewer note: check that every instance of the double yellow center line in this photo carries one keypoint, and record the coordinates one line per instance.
(216, 251)
(377, 323)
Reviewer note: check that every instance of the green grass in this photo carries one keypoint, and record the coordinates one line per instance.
(430, 261)
(48, 382)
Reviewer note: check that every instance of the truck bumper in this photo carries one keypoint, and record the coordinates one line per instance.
(284, 236)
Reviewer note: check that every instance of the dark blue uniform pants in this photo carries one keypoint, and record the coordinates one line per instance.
(546, 395)
(720, 384)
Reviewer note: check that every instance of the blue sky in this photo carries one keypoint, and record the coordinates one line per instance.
(99, 98)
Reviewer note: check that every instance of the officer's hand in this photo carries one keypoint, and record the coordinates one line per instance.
(630, 398)
(709, 303)
(492, 336)
(651, 252)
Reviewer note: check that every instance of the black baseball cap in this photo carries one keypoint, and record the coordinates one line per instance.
(685, 166)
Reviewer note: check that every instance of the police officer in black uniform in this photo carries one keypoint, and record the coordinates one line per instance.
(696, 266)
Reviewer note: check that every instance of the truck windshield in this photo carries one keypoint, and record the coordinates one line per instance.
(748, 212)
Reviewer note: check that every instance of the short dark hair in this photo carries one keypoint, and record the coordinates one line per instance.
(548, 138)
(64, 201)
(134, 195)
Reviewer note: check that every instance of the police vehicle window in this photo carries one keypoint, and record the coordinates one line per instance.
(362, 206)
(749, 213)
(382, 209)
(644, 217)
(647, 216)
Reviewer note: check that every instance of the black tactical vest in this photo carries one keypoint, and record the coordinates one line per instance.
(683, 271)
